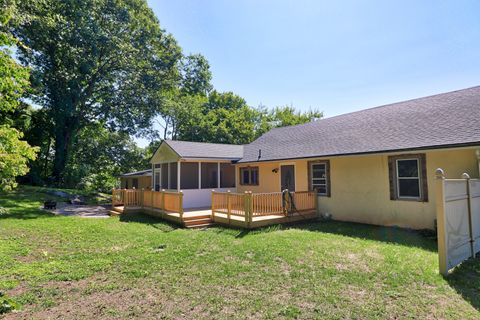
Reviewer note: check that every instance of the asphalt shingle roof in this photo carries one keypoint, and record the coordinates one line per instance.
(202, 150)
(145, 173)
(446, 119)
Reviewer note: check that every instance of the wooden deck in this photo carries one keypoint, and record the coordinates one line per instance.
(238, 210)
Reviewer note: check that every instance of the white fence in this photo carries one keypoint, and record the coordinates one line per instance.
(458, 219)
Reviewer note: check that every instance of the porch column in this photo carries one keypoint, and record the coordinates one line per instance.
(199, 175)
(153, 176)
(218, 175)
(178, 176)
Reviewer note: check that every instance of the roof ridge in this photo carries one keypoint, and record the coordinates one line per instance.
(403, 101)
(201, 142)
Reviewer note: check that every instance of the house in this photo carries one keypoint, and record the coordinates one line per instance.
(372, 166)
(137, 180)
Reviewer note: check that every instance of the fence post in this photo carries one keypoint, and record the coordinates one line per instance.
(441, 221)
(470, 220)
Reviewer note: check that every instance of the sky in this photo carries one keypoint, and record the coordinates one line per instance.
(337, 56)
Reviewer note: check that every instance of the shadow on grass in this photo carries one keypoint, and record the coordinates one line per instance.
(394, 235)
(465, 279)
(155, 222)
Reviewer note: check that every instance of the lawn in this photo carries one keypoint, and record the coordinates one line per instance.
(135, 266)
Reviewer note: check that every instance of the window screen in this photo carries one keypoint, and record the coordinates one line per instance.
(189, 175)
(227, 175)
(173, 175)
(164, 184)
(209, 175)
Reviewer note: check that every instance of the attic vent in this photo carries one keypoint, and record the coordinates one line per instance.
(259, 154)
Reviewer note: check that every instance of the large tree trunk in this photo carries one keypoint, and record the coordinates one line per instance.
(63, 142)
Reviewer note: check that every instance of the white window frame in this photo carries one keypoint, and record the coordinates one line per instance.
(419, 178)
(326, 177)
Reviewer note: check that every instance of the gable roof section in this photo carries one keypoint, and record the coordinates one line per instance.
(443, 120)
(203, 150)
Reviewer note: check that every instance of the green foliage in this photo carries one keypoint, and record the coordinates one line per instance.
(196, 75)
(93, 60)
(99, 156)
(14, 156)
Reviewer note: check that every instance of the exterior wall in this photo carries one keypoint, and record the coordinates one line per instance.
(143, 182)
(360, 190)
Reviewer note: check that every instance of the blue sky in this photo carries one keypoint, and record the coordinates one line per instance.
(338, 56)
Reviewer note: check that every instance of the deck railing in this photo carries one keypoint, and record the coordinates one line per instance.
(251, 205)
(167, 201)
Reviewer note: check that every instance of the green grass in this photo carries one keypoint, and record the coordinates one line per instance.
(135, 266)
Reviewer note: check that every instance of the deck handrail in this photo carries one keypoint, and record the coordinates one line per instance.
(167, 201)
(249, 205)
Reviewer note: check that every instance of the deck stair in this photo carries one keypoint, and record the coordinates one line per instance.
(201, 221)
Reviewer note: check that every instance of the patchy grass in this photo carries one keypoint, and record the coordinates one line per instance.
(135, 266)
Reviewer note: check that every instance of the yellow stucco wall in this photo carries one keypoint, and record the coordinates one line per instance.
(143, 182)
(360, 186)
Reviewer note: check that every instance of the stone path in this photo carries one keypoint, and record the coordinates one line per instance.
(84, 211)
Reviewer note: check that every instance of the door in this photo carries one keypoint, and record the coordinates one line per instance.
(287, 177)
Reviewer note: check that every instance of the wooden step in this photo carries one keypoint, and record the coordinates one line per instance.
(199, 226)
(197, 221)
(203, 216)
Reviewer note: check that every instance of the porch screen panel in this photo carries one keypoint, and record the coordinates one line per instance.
(189, 175)
(209, 175)
(227, 175)
(164, 182)
(173, 175)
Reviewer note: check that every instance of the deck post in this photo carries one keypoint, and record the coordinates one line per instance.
(180, 209)
(229, 207)
(152, 193)
(317, 208)
(124, 198)
(250, 211)
(162, 202)
(213, 206)
(246, 207)
(113, 197)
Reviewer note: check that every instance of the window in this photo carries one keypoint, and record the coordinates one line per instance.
(209, 175)
(227, 175)
(319, 177)
(408, 177)
(249, 176)
(189, 175)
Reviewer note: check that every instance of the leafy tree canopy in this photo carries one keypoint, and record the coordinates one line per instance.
(95, 60)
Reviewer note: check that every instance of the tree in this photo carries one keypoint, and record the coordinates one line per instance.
(95, 60)
(196, 75)
(14, 153)
(284, 116)
(99, 156)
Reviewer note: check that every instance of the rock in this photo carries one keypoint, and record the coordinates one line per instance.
(77, 200)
